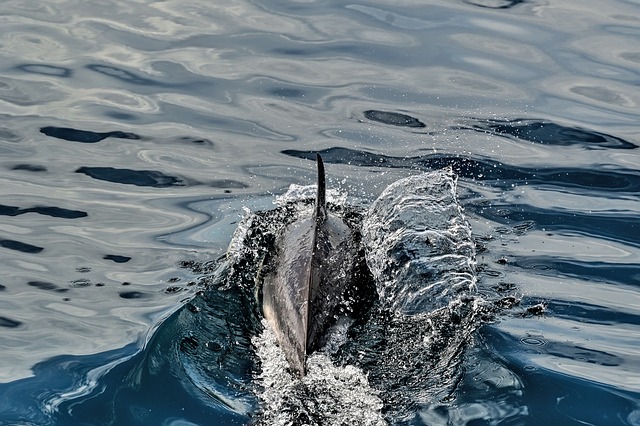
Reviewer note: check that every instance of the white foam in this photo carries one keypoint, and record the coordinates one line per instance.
(327, 395)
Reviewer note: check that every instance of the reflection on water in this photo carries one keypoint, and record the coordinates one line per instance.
(132, 135)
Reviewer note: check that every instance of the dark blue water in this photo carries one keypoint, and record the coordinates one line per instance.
(132, 136)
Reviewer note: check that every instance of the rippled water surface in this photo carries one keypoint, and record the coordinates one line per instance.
(133, 134)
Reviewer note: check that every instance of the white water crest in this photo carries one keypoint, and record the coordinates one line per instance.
(297, 193)
(418, 244)
(328, 395)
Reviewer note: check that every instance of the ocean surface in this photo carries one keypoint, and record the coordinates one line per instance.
(136, 136)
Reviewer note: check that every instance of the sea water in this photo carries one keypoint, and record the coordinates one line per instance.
(134, 135)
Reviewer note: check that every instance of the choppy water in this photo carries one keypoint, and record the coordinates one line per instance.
(133, 134)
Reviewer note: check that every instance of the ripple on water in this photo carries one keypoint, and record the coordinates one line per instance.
(176, 115)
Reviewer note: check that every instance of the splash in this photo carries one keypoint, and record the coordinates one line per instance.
(418, 244)
(327, 395)
(420, 252)
(402, 351)
(297, 193)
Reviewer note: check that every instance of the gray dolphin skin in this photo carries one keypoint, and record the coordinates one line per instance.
(306, 282)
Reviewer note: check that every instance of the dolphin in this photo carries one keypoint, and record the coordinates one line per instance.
(306, 280)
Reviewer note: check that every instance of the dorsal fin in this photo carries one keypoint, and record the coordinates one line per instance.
(315, 264)
(321, 200)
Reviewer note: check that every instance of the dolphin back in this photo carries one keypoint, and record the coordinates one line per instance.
(307, 279)
(331, 266)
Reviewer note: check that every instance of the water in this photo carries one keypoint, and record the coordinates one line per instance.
(134, 134)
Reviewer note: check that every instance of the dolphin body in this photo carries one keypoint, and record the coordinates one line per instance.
(306, 281)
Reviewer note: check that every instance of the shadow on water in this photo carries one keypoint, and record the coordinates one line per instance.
(393, 118)
(44, 69)
(496, 4)
(20, 246)
(8, 322)
(43, 210)
(29, 168)
(150, 178)
(84, 136)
